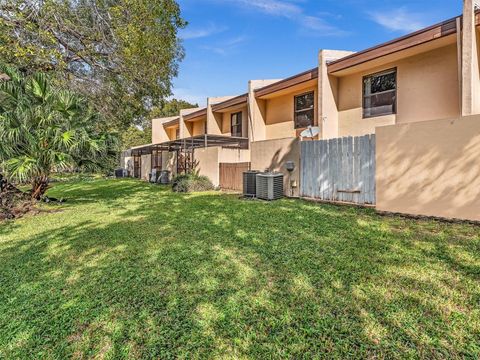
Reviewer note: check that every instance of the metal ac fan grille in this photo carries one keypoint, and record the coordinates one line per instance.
(269, 186)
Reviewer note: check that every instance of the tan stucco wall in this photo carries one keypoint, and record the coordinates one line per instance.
(184, 130)
(233, 155)
(226, 122)
(476, 74)
(256, 108)
(470, 64)
(327, 94)
(159, 133)
(198, 128)
(430, 168)
(207, 163)
(279, 114)
(172, 133)
(128, 165)
(427, 90)
(146, 166)
(215, 123)
(273, 154)
(214, 120)
(169, 161)
(209, 160)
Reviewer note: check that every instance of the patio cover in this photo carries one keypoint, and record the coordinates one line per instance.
(194, 142)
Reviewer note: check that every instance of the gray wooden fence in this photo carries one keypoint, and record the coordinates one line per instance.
(341, 169)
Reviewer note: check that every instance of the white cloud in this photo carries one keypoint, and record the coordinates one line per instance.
(273, 7)
(196, 33)
(398, 20)
(294, 12)
(321, 27)
(226, 47)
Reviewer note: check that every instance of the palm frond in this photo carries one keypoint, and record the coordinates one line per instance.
(11, 72)
(44, 129)
(38, 86)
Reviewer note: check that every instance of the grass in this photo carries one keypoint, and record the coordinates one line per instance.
(130, 270)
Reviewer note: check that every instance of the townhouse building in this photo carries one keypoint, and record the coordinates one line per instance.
(426, 79)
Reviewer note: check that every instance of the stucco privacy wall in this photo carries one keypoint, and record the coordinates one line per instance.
(273, 154)
(209, 160)
(207, 163)
(427, 90)
(128, 165)
(169, 161)
(146, 166)
(226, 155)
(430, 168)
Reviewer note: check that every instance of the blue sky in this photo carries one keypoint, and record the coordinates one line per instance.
(229, 42)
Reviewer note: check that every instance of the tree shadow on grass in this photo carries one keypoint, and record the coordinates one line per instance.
(208, 275)
(7, 226)
(108, 191)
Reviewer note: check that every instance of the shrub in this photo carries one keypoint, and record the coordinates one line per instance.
(191, 183)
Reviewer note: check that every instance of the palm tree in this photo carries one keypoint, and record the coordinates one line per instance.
(43, 129)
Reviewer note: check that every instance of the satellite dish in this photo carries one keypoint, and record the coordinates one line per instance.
(310, 132)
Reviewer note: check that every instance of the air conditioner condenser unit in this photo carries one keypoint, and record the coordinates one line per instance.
(249, 183)
(269, 186)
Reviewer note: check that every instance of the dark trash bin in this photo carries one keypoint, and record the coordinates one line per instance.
(164, 177)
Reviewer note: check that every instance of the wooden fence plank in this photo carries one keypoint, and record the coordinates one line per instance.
(356, 172)
(373, 169)
(231, 175)
(341, 169)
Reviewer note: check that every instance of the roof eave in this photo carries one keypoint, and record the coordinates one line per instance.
(236, 101)
(431, 33)
(305, 76)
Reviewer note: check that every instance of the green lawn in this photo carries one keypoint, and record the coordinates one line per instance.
(130, 270)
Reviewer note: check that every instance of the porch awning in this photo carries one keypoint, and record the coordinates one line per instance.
(194, 142)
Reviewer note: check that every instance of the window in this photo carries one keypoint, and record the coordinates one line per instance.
(304, 110)
(380, 94)
(236, 120)
(177, 133)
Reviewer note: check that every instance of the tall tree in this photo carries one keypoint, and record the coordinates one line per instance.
(122, 54)
(134, 136)
(140, 135)
(43, 129)
(171, 108)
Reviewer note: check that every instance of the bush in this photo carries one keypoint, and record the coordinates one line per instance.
(191, 183)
